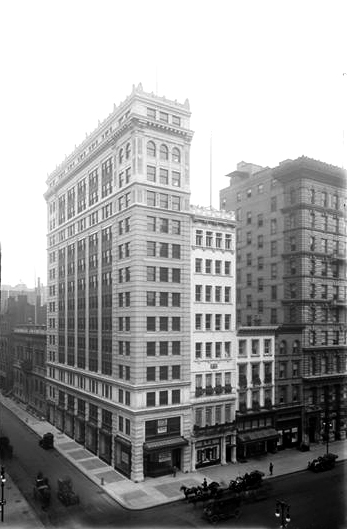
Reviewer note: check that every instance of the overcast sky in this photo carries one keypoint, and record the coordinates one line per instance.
(265, 77)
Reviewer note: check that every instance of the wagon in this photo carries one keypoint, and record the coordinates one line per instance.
(222, 509)
(326, 462)
(47, 441)
(42, 490)
(66, 493)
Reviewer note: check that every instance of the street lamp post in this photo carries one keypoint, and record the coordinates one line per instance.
(282, 510)
(3, 501)
(327, 425)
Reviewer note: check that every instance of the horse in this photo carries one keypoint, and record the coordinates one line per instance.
(190, 491)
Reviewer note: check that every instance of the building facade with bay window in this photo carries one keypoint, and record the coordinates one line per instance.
(213, 364)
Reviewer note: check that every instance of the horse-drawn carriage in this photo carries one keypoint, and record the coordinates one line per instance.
(66, 493)
(42, 490)
(224, 502)
(250, 481)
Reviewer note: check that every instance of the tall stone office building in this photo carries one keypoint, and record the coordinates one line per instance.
(119, 265)
(291, 272)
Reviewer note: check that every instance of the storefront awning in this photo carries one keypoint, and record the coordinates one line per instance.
(150, 446)
(259, 435)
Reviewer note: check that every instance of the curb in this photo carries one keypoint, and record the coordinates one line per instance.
(94, 479)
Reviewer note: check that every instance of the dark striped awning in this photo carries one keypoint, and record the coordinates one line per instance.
(159, 444)
(259, 435)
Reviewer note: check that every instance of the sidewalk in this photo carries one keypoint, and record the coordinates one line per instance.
(17, 511)
(156, 491)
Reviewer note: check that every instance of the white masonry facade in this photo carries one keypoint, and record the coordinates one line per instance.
(120, 365)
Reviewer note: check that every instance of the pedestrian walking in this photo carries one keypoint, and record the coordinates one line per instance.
(174, 470)
(271, 467)
(204, 484)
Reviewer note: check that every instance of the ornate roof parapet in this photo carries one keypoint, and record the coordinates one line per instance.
(106, 127)
(212, 213)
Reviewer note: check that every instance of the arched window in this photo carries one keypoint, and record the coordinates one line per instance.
(176, 155)
(296, 346)
(120, 156)
(283, 347)
(151, 150)
(164, 152)
(127, 151)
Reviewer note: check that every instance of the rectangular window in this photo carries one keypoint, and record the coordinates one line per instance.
(150, 374)
(150, 198)
(163, 274)
(163, 201)
(163, 176)
(150, 323)
(150, 348)
(163, 348)
(163, 323)
(150, 399)
(176, 275)
(164, 299)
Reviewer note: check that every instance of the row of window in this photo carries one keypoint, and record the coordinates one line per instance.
(106, 235)
(209, 380)
(220, 294)
(256, 346)
(163, 249)
(212, 266)
(209, 350)
(215, 322)
(211, 239)
(161, 225)
(155, 373)
(163, 176)
(163, 274)
(163, 201)
(162, 398)
(161, 299)
(163, 348)
(161, 323)
(260, 190)
(164, 117)
(327, 338)
(210, 415)
(322, 198)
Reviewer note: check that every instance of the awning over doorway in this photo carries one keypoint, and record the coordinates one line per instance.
(173, 442)
(259, 435)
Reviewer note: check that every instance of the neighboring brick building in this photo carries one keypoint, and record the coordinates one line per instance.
(29, 366)
(291, 272)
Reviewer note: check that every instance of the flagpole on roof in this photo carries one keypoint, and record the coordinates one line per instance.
(211, 171)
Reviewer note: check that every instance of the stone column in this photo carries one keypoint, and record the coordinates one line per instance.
(137, 462)
(223, 451)
(233, 448)
(193, 456)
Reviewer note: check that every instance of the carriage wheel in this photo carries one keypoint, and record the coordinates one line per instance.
(214, 518)
(237, 513)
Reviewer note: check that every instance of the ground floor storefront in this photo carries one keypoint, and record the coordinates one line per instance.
(258, 442)
(160, 456)
(162, 451)
(213, 446)
(288, 423)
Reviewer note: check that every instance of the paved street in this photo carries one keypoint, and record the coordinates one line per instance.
(308, 493)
